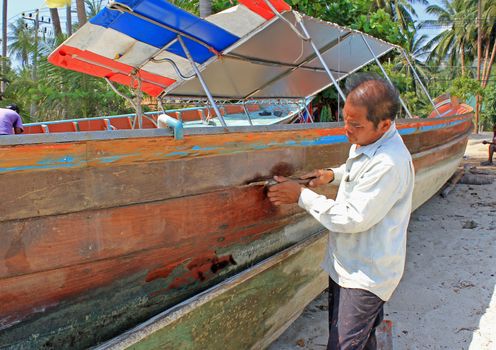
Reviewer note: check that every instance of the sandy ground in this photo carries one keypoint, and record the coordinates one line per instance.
(447, 297)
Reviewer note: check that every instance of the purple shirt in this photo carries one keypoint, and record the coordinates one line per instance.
(8, 120)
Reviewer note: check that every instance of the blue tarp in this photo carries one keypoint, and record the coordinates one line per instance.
(172, 16)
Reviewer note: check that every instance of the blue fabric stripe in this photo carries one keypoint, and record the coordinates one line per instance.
(163, 12)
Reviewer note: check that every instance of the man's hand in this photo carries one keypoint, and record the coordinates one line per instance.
(285, 192)
(485, 142)
(322, 177)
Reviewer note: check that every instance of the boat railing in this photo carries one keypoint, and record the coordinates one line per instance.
(125, 121)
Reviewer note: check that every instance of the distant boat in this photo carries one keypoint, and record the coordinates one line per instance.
(164, 238)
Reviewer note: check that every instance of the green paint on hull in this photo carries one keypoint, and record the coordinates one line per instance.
(254, 310)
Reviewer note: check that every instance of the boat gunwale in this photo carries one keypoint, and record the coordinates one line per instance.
(107, 135)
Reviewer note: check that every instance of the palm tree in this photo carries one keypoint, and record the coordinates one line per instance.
(21, 42)
(57, 29)
(401, 11)
(93, 7)
(4, 47)
(205, 8)
(415, 49)
(455, 44)
(489, 39)
(81, 12)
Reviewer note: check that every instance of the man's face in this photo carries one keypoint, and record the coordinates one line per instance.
(359, 129)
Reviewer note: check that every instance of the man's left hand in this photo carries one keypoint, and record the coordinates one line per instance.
(285, 192)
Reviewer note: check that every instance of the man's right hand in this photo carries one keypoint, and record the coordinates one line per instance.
(321, 177)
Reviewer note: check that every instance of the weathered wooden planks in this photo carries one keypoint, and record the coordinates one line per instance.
(64, 191)
(258, 299)
(122, 180)
(251, 310)
(148, 222)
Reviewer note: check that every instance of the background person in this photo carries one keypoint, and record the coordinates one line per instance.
(368, 220)
(10, 120)
(492, 146)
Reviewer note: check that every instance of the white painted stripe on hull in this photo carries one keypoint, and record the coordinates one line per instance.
(430, 180)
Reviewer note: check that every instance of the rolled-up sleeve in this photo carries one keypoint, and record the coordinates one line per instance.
(372, 197)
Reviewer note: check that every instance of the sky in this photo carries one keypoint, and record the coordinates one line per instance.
(16, 7)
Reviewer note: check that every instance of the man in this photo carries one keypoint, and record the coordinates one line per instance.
(10, 120)
(492, 146)
(368, 220)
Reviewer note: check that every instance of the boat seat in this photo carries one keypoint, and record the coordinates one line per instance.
(190, 115)
(252, 108)
(121, 123)
(94, 125)
(147, 123)
(62, 127)
(33, 129)
(234, 109)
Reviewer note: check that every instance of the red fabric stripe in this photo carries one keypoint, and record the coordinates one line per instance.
(260, 7)
(88, 62)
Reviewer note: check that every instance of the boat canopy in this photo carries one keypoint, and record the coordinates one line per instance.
(255, 50)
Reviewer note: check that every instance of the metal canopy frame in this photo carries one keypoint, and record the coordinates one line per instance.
(248, 55)
(274, 63)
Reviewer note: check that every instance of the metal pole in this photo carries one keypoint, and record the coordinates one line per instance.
(308, 112)
(321, 59)
(247, 113)
(202, 82)
(420, 82)
(385, 74)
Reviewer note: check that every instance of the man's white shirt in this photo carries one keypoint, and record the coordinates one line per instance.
(368, 220)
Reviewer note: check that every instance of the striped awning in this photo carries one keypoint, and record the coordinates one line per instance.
(243, 52)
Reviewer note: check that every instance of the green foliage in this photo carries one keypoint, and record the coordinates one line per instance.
(464, 87)
(325, 114)
(488, 115)
(380, 25)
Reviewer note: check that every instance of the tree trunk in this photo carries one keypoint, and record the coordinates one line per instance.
(486, 59)
(479, 46)
(462, 58)
(4, 48)
(489, 66)
(81, 12)
(205, 8)
(57, 29)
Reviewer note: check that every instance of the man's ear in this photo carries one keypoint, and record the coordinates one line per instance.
(384, 125)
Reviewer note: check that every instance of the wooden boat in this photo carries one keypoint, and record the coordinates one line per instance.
(170, 229)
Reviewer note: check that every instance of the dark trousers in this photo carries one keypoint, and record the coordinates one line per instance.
(353, 316)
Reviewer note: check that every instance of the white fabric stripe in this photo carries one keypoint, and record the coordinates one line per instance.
(111, 44)
(238, 20)
(114, 45)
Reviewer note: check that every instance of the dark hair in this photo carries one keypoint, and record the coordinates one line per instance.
(374, 93)
(13, 107)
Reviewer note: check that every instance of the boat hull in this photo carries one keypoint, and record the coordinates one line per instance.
(103, 232)
(267, 298)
